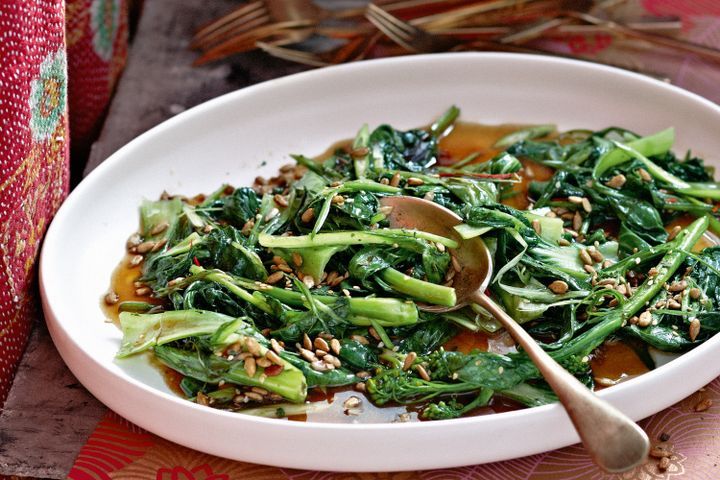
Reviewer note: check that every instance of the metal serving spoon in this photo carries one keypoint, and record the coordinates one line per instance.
(613, 440)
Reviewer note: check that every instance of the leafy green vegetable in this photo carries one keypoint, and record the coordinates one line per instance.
(301, 283)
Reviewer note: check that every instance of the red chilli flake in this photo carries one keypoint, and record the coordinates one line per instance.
(196, 261)
(671, 200)
(273, 370)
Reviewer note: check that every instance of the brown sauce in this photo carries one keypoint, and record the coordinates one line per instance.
(612, 362)
(122, 283)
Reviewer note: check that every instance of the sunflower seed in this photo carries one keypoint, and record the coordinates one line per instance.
(644, 319)
(250, 366)
(617, 181)
(559, 287)
(111, 298)
(395, 180)
(274, 278)
(644, 174)
(694, 329)
(409, 360)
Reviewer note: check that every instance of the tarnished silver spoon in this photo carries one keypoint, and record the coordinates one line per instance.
(613, 440)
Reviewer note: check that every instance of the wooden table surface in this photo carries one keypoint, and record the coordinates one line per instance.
(49, 415)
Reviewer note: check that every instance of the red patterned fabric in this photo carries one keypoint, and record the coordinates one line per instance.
(97, 49)
(33, 158)
(34, 141)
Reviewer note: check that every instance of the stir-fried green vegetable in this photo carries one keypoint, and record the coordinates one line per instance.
(299, 283)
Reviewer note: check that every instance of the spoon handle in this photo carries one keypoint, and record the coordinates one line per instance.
(613, 440)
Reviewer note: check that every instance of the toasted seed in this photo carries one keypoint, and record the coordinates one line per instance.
(280, 200)
(644, 174)
(133, 241)
(360, 339)
(633, 320)
(263, 362)
(319, 366)
(617, 181)
(273, 357)
(308, 355)
(145, 247)
(111, 298)
(673, 233)
(254, 396)
(622, 289)
(577, 221)
(136, 260)
(159, 228)
(384, 181)
(320, 353)
(159, 245)
(674, 305)
(607, 281)
(678, 286)
(307, 343)
(395, 180)
(309, 281)
(297, 259)
(596, 255)
(607, 263)
(250, 366)
(575, 199)
(644, 319)
(660, 451)
(331, 277)
(374, 333)
(409, 360)
(253, 347)
(664, 464)
(585, 257)
(352, 402)
(321, 344)
(455, 263)
(274, 212)
(422, 372)
(247, 227)
(695, 293)
(586, 205)
(563, 243)
(703, 405)
(273, 278)
(559, 287)
(334, 361)
(202, 399)
(613, 303)
(450, 274)
(363, 374)
(335, 346)
(694, 329)
(415, 182)
(537, 226)
(143, 291)
(338, 200)
(276, 346)
(590, 269)
(308, 215)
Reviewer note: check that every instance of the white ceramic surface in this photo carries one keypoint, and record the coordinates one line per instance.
(229, 138)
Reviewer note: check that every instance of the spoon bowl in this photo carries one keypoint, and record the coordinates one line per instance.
(613, 440)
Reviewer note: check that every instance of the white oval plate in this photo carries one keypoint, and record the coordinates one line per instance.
(251, 132)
